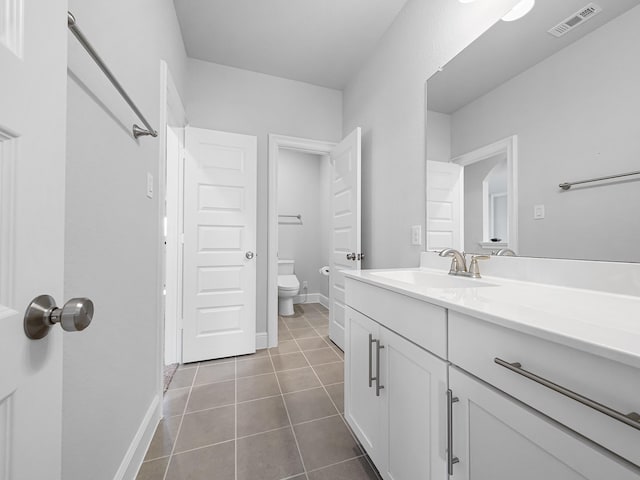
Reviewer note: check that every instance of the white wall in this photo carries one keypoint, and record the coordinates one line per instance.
(302, 190)
(576, 117)
(239, 101)
(386, 98)
(111, 370)
(438, 136)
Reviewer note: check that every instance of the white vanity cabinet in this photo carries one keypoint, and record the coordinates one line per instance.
(498, 438)
(395, 400)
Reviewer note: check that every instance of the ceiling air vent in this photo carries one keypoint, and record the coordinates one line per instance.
(576, 19)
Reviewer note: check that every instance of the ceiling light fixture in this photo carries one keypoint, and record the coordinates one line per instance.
(519, 11)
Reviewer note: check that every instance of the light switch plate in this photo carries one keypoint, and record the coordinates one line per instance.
(538, 212)
(149, 185)
(416, 235)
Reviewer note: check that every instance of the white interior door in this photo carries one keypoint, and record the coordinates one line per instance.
(33, 61)
(219, 286)
(445, 191)
(346, 253)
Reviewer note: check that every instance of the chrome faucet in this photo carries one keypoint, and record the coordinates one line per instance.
(459, 264)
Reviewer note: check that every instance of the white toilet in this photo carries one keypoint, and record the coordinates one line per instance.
(288, 286)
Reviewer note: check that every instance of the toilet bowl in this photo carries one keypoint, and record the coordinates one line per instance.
(288, 286)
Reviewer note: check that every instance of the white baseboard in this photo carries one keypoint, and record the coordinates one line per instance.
(262, 340)
(311, 298)
(137, 450)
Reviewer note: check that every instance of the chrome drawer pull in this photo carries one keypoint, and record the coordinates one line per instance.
(371, 377)
(632, 419)
(451, 460)
(377, 377)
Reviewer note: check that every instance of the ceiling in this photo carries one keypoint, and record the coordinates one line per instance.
(509, 48)
(322, 42)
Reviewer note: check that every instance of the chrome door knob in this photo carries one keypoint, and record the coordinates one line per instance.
(249, 255)
(42, 313)
(351, 256)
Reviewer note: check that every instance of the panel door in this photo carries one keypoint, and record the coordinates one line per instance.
(414, 413)
(445, 191)
(219, 286)
(496, 438)
(344, 226)
(362, 406)
(33, 60)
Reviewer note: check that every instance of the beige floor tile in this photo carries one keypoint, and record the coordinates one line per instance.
(336, 392)
(356, 469)
(183, 378)
(212, 395)
(325, 442)
(163, 438)
(217, 461)
(296, 380)
(312, 343)
(153, 470)
(303, 333)
(289, 361)
(268, 456)
(309, 405)
(249, 368)
(261, 415)
(174, 402)
(215, 373)
(288, 346)
(205, 428)
(330, 373)
(325, 355)
(251, 388)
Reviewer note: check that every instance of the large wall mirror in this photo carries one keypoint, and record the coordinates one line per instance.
(551, 98)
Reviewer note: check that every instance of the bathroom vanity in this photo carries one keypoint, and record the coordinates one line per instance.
(493, 378)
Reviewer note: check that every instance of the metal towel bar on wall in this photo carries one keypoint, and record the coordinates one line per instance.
(568, 185)
(137, 130)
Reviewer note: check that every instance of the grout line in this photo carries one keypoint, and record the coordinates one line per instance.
(337, 463)
(175, 441)
(295, 437)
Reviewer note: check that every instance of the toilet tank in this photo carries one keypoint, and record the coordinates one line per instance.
(285, 266)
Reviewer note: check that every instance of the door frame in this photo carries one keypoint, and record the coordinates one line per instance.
(276, 143)
(171, 110)
(509, 147)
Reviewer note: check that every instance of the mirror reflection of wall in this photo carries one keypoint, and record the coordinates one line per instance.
(303, 189)
(573, 102)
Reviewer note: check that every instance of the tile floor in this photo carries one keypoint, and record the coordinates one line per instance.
(273, 415)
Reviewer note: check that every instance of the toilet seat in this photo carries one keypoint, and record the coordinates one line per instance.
(288, 283)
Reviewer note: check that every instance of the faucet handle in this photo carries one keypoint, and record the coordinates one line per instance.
(474, 269)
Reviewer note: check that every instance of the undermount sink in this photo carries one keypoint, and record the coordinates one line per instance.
(424, 279)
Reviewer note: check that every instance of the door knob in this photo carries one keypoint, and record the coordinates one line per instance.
(351, 256)
(42, 313)
(249, 255)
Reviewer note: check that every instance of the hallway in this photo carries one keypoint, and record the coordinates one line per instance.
(273, 415)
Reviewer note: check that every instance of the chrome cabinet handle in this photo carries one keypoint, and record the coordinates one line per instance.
(371, 378)
(451, 460)
(249, 255)
(351, 256)
(632, 419)
(42, 314)
(377, 377)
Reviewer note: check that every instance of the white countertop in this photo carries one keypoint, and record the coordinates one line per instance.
(604, 324)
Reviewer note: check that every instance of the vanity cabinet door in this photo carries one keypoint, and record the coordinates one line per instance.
(497, 438)
(361, 408)
(413, 416)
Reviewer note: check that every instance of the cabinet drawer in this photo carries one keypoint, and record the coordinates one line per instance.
(474, 344)
(420, 322)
